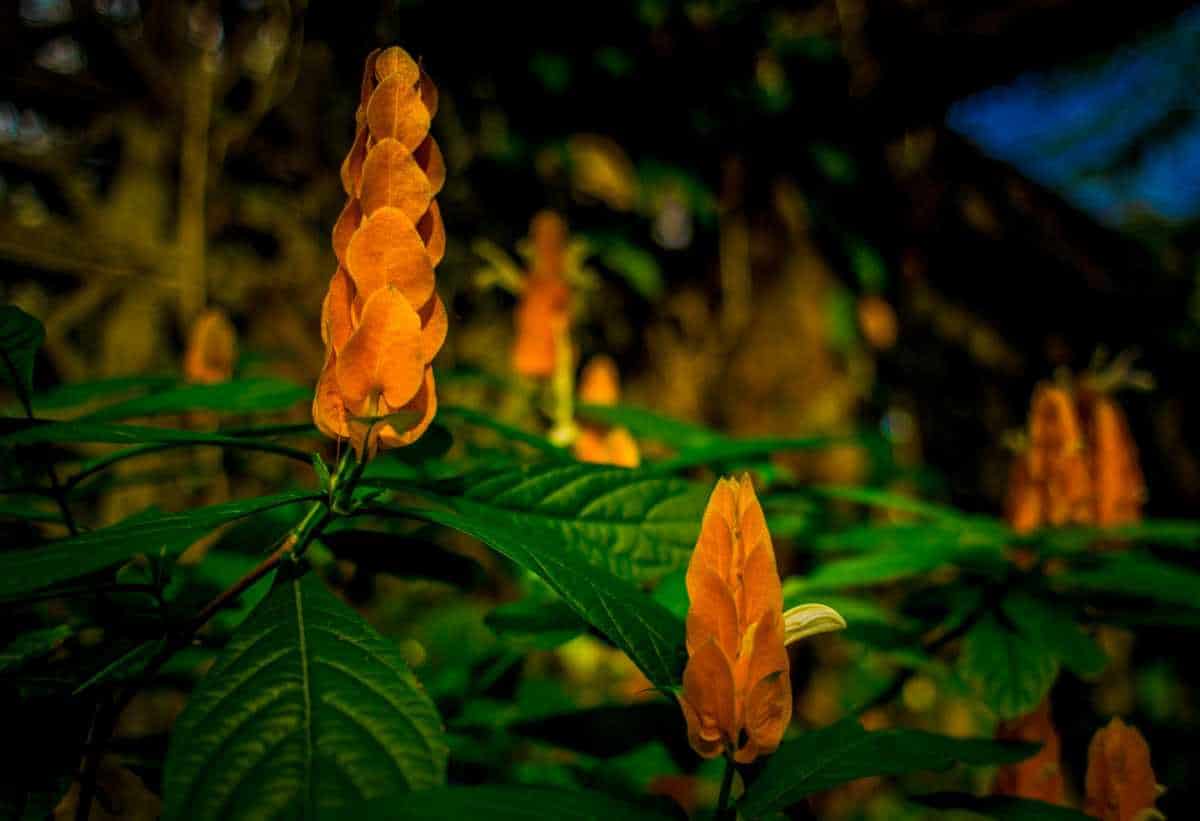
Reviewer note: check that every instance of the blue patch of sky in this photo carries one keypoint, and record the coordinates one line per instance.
(1066, 128)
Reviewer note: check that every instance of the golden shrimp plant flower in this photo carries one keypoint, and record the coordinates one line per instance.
(382, 321)
(737, 694)
(600, 384)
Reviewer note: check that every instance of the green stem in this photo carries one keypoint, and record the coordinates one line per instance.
(723, 811)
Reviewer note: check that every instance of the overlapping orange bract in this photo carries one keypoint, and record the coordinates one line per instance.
(1080, 465)
(382, 321)
(1039, 777)
(543, 315)
(599, 384)
(211, 350)
(737, 695)
(1120, 781)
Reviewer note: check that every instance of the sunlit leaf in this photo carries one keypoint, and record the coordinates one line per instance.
(825, 758)
(551, 543)
(308, 713)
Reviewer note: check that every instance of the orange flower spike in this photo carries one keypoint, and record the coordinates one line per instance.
(211, 350)
(1120, 780)
(543, 314)
(382, 321)
(736, 695)
(1023, 503)
(1039, 777)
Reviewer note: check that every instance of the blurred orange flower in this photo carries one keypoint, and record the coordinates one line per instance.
(737, 695)
(1039, 777)
(1120, 781)
(599, 384)
(382, 321)
(543, 315)
(1080, 465)
(211, 349)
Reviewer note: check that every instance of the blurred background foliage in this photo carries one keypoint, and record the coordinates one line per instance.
(833, 217)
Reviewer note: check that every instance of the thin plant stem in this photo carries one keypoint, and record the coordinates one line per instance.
(723, 812)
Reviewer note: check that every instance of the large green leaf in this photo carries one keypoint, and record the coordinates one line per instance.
(844, 752)
(1012, 672)
(505, 802)
(73, 394)
(20, 337)
(635, 524)
(25, 570)
(640, 626)
(1001, 807)
(308, 713)
(237, 396)
(1052, 626)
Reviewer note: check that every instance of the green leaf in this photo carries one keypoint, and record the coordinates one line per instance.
(1001, 807)
(73, 394)
(1136, 575)
(1012, 672)
(542, 624)
(237, 396)
(31, 646)
(146, 440)
(635, 524)
(1179, 533)
(645, 424)
(1053, 627)
(505, 802)
(20, 337)
(451, 413)
(887, 566)
(552, 548)
(22, 571)
(872, 497)
(308, 713)
(843, 752)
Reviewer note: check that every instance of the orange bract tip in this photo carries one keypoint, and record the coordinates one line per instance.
(600, 384)
(396, 62)
(1120, 780)
(397, 111)
(211, 350)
